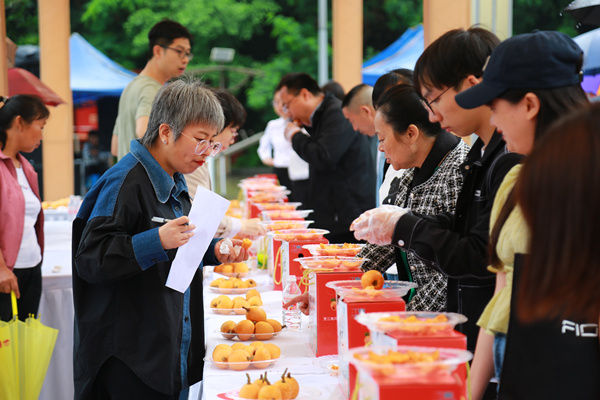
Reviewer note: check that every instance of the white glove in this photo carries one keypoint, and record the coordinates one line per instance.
(227, 248)
(251, 229)
(377, 225)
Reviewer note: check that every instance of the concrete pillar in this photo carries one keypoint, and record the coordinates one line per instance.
(347, 42)
(3, 52)
(494, 15)
(440, 16)
(55, 29)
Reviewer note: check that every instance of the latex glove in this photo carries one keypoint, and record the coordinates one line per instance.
(230, 250)
(377, 225)
(251, 229)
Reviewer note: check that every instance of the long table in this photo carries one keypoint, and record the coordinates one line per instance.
(56, 310)
(314, 380)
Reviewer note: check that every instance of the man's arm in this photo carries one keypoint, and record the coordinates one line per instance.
(141, 124)
(455, 254)
(114, 145)
(324, 152)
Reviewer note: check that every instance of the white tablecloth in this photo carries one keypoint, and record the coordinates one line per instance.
(296, 353)
(56, 309)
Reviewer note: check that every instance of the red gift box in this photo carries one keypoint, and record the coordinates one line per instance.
(323, 316)
(353, 334)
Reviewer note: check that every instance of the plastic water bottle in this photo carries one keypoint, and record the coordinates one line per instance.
(291, 314)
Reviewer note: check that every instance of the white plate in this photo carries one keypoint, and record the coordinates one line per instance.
(260, 288)
(251, 367)
(229, 311)
(306, 393)
(328, 363)
(252, 338)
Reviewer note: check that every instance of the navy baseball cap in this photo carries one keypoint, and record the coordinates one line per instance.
(537, 60)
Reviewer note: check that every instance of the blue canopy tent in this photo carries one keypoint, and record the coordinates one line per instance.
(403, 53)
(94, 75)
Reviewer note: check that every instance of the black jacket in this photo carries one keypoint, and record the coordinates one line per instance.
(556, 358)
(456, 243)
(342, 168)
(122, 307)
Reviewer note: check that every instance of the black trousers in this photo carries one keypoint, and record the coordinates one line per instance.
(30, 287)
(282, 176)
(116, 381)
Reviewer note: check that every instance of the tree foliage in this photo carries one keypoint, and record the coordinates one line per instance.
(271, 36)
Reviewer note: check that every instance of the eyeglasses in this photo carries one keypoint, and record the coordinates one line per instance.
(182, 53)
(430, 103)
(285, 107)
(204, 145)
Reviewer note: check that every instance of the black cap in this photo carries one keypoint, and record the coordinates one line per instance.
(537, 60)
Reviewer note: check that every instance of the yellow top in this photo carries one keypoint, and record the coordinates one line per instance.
(513, 239)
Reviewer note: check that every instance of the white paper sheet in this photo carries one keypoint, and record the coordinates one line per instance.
(208, 209)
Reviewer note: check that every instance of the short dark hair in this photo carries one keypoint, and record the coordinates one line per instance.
(296, 81)
(165, 32)
(334, 88)
(454, 56)
(386, 81)
(233, 110)
(29, 107)
(402, 106)
(352, 93)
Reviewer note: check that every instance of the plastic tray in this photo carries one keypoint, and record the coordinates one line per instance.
(260, 288)
(299, 234)
(251, 364)
(277, 206)
(228, 311)
(254, 337)
(284, 214)
(331, 364)
(409, 372)
(325, 263)
(268, 196)
(304, 394)
(278, 225)
(340, 250)
(412, 323)
(352, 289)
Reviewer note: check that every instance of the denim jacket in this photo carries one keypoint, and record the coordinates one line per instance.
(122, 307)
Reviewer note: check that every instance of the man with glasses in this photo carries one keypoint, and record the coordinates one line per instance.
(342, 167)
(170, 46)
(454, 243)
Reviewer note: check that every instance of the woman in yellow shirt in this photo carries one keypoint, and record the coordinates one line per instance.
(529, 81)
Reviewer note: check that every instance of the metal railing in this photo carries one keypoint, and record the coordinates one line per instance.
(222, 159)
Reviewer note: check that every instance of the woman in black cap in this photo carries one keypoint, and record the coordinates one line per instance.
(529, 81)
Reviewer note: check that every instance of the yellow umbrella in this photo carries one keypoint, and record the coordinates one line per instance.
(25, 352)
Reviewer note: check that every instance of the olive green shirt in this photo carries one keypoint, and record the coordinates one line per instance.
(135, 102)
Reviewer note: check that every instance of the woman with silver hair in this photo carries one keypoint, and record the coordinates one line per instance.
(135, 337)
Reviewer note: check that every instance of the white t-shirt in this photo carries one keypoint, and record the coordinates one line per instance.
(30, 253)
(273, 144)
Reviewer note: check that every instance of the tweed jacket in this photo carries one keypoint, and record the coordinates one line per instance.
(429, 190)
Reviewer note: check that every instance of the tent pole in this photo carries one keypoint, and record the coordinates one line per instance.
(323, 45)
(3, 52)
